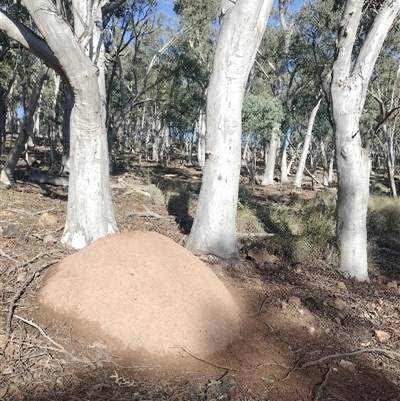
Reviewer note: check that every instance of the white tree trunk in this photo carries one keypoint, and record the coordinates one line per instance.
(268, 178)
(307, 140)
(7, 173)
(324, 163)
(349, 87)
(390, 161)
(89, 213)
(214, 227)
(201, 138)
(284, 166)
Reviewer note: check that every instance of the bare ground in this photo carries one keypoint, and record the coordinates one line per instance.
(302, 326)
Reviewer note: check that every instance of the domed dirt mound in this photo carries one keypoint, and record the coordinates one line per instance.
(144, 291)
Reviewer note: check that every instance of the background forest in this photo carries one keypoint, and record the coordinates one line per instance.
(312, 332)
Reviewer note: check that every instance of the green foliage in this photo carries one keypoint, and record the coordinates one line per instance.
(247, 221)
(259, 113)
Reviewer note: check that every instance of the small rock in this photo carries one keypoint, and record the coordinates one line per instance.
(342, 286)
(339, 304)
(294, 301)
(350, 366)
(12, 231)
(382, 335)
(49, 240)
(233, 392)
(311, 330)
(8, 371)
(379, 310)
(338, 321)
(47, 218)
(392, 284)
(381, 279)
(21, 277)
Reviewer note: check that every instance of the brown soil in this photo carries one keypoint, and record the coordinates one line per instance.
(290, 314)
(144, 292)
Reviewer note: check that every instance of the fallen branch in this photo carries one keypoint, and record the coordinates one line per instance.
(59, 347)
(149, 213)
(352, 353)
(312, 176)
(48, 179)
(227, 368)
(29, 213)
(253, 235)
(22, 288)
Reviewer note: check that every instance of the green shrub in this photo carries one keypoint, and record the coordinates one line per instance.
(383, 222)
(247, 221)
(305, 229)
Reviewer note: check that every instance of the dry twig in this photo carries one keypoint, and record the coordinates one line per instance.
(22, 288)
(352, 353)
(203, 360)
(2, 253)
(58, 347)
(323, 384)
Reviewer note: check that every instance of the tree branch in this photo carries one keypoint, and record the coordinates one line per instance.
(30, 40)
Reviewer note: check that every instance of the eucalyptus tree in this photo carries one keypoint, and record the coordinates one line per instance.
(134, 43)
(7, 78)
(242, 27)
(362, 31)
(7, 173)
(261, 111)
(89, 211)
(315, 25)
(384, 105)
(15, 76)
(194, 56)
(307, 141)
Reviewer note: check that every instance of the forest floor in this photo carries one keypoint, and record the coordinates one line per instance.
(308, 333)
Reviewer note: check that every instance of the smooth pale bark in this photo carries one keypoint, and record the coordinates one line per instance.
(349, 87)
(307, 140)
(390, 160)
(7, 173)
(201, 138)
(331, 163)
(214, 227)
(28, 39)
(3, 114)
(325, 163)
(284, 166)
(89, 213)
(54, 126)
(268, 178)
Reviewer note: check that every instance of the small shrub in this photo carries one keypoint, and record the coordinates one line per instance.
(383, 221)
(247, 221)
(305, 229)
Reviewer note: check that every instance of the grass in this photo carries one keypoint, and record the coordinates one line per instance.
(305, 229)
(383, 222)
